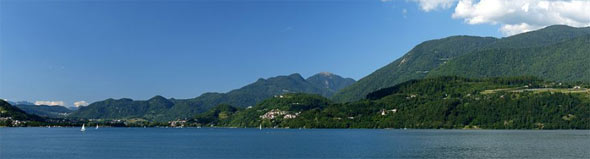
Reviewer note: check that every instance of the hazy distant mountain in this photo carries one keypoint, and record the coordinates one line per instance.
(20, 103)
(45, 110)
(159, 108)
(558, 53)
(331, 82)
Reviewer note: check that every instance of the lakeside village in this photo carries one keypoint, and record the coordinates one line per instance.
(11, 122)
(180, 123)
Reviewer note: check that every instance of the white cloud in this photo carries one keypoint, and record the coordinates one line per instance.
(516, 16)
(80, 103)
(511, 29)
(428, 5)
(50, 103)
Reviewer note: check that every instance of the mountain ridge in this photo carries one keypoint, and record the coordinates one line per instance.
(428, 56)
(161, 109)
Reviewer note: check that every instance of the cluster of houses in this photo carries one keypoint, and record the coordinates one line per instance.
(12, 122)
(275, 113)
(177, 123)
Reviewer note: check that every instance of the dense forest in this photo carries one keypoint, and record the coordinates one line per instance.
(558, 62)
(556, 53)
(442, 102)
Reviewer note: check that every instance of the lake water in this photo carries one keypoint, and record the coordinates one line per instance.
(290, 143)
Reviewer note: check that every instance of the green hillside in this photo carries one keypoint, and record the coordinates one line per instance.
(125, 108)
(547, 36)
(553, 53)
(442, 102)
(162, 109)
(13, 116)
(415, 64)
(566, 61)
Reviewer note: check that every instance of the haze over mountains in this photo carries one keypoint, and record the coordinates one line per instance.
(160, 108)
(45, 110)
(557, 53)
(20, 103)
(52, 111)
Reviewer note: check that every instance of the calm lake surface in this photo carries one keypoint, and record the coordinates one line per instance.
(290, 143)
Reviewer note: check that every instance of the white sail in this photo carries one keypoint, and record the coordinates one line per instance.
(96, 126)
(82, 129)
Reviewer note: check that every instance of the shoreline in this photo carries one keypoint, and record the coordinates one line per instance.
(282, 128)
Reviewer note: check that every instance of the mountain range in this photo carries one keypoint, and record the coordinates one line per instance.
(161, 109)
(556, 53)
(20, 103)
(55, 111)
(52, 111)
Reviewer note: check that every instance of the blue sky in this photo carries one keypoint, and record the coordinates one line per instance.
(92, 50)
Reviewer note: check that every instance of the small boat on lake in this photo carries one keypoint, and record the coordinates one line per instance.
(82, 129)
(96, 126)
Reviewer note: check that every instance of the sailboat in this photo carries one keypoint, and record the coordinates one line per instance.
(96, 126)
(260, 127)
(82, 129)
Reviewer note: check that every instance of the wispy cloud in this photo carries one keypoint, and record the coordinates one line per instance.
(516, 16)
(80, 103)
(429, 5)
(50, 103)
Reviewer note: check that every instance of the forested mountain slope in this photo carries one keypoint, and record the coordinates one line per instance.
(553, 53)
(13, 116)
(441, 102)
